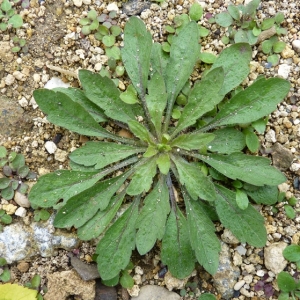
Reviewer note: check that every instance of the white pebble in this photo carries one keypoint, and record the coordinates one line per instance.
(260, 273)
(98, 66)
(21, 212)
(50, 147)
(23, 102)
(87, 2)
(241, 250)
(271, 136)
(34, 144)
(55, 82)
(113, 7)
(296, 121)
(77, 3)
(295, 167)
(284, 70)
(239, 285)
(36, 77)
(61, 155)
(19, 76)
(9, 80)
(138, 270)
(296, 45)
(21, 199)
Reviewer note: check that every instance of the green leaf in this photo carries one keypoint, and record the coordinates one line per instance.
(273, 59)
(142, 179)
(5, 6)
(207, 297)
(97, 224)
(279, 17)
(155, 211)
(115, 30)
(196, 11)
(5, 276)
(94, 25)
(192, 141)
(17, 162)
(130, 95)
(202, 236)
(241, 36)
(286, 282)
(207, 57)
(290, 212)
(151, 150)
(83, 206)
(247, 225)
(109, 40)
(159, 59)
(252, 141)
(196, 183)
(163, 163)
(227, 140)
(4, 183)
(79, 97)
(156, 99)
(35, 281)
(292, 253)
(253, 103)
(16, 21)
(267, 46)
(176, 251)
(256, 31)
(241, 199)
(103, 92)
(264, 194)
(279, 46)
(260, 125)
(112, 282)
(203, 32)
(250, 8)
(224, 19)
(267, 23)
(8, 193)
(136, 53)
(101, 154)
(126, 281)
(61, 184)
(234, 12)
(202, 99)
(3, 152)
(3, 261)
(235, 62)
(284, 296)
(16, 292)
(116, 246)
(140, 131)
(6, 219)
(255, 170)
(62, 111)
(113, 52)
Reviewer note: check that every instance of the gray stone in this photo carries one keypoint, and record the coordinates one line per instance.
(135, 7)
(274, 260)
(19, 241)
(282, 157)
(85, 271)
(154, 292)
(227, 274)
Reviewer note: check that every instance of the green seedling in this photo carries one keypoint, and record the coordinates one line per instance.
(14, 171)
(4, 270)
(5, 219)
(272, 47)
(41, 215)
(200, 155)
(9, 17)
(19, 43)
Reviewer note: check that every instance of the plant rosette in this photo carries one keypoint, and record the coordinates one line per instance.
(176, 176)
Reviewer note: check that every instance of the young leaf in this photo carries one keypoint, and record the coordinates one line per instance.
(116, 246)
(290, 212)
(247, 225)
(286, 282)
(136, 53)
(62, 184)
(196, 183)
(292, 253)
(255, 170)
(130, 95)
(202, 99)
(103, 92)
(97, 224)
(142, 179)
(234, 12)
(163, 163)
(252, 141)
(101, 154)
(202, 236)
(176, 251)
(241, 199)
(253, 103)
(159, 59)
(234, 73)
(224, 19)
(63, 111)
(192, 141)
(126, 281)
(207, 57)
(196, 11)
(83, 206)
(140, 131)
(264, 194)
(155, 211)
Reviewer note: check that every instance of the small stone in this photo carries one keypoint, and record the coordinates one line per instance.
(284, 70)
(23, 266)
(55, 82)
(98, 66)
(296, 45)
(9, 80)
(239, 285)
(138, 270)
(274, 260)
(23, 102)
(260, 273)
(77, 3)
(241, 250)
(137, 279)
(112, 7)
(36, 77)
(134, 291)
(50, 147)
(21, 212)
(156, 292)
(228, 237)
(19, 76)
(9, 208)
(21, 199)
(87, 2)
(295, 167)
(284, 187)
(282, 157)
(270, 136)
(174, 283)
(61, 155)
(287, 52)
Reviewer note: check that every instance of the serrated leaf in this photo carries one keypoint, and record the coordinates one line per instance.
(136, 53)
(292, 253)
(130, 95)
(163, 163)
(196, 11)
(241, 198)
(253, 103)
(61, 184)
(155, 211)
(62, 111)
(116, 246)
(286, 282)
(203, 239)
(79, 97)
(224, 19)
(156, 99)
(103, 92)
(16, 292)
(202, 99)
(140, 131)
(235, 62)
(176, 250)
(83, 206)
(247, 225)
(142, 179)
(97, 224)
(101, 154)
(266, 195)
(227, 140)
(255, 170)
(196, 183)
(252, 141)
(192, 141)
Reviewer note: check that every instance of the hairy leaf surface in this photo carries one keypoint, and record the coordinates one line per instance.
(116, 246)
(61, 184)
(136, 53)
(176, 251)
(264, 194)
(101, 154)
(247, 225)
(202, 236)
(63, 111)
(255, 170)
(83, 206)
(155, 211)
(163, 163)
(159, 59)
(140, 131)
(196, 183)
(192, 141)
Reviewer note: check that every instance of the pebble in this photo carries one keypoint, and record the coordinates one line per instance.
(156, 292)
(19, 76)
(61, 155)
(112, 7)
(284, 70)
(23, 266)
(21, 199)
(228, 237)
(296, 45)
(175, 283)
(50, 147)
(77, 3)
(239, 285)
(260, 273)
(9, 208)
(295, 167)
(23, 102)
(271, 136)
(21, 212)
(287, 52)
(241, 250)
(9, 79)
(274, 260)
(55, 82)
